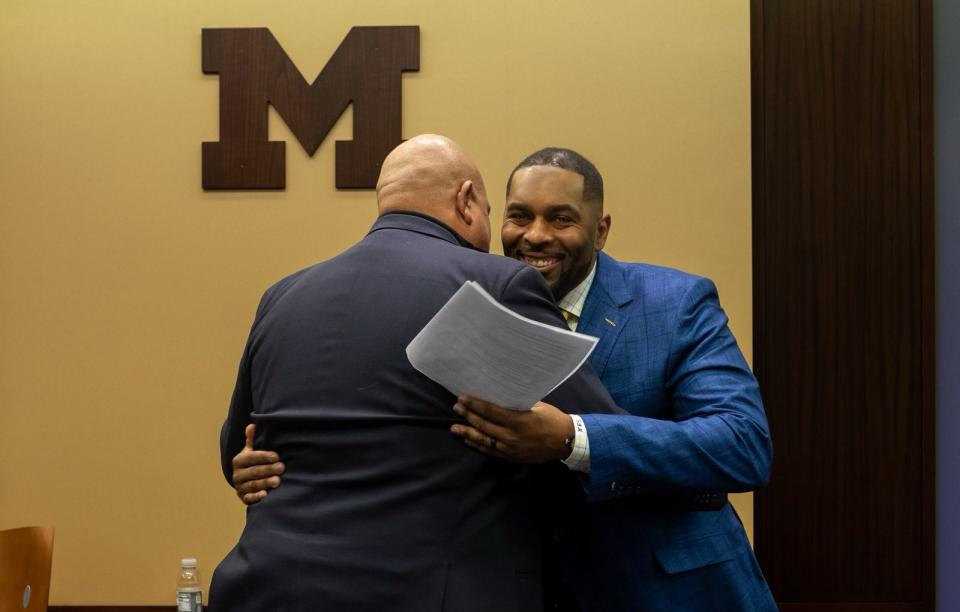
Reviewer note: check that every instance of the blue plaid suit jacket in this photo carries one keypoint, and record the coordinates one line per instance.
(696, 424)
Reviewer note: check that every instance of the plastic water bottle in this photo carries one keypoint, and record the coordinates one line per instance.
(189, 595)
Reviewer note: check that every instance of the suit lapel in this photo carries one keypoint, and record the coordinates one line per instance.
(604, 315)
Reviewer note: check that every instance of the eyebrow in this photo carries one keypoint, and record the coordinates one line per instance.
(551, 209)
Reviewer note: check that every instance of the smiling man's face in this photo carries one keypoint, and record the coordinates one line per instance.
(547, 224)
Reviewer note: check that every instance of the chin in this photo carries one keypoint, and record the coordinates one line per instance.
(554, 289)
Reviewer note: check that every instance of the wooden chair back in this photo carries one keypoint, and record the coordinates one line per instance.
(26, 555)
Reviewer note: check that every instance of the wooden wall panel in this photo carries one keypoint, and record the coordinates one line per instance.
(843, 297)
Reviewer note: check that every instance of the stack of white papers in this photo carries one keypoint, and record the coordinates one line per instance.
(476, 346)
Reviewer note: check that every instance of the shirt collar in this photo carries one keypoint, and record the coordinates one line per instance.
(575, 298)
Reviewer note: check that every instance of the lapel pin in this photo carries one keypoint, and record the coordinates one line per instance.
(612, 324)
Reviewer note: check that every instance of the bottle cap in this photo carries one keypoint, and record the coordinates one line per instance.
(188, 562)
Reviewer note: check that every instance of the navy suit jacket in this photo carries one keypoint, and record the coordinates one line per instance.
(381, 507)
(696, 424)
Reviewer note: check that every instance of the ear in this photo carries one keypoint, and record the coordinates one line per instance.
(465, 210)
(603, 230)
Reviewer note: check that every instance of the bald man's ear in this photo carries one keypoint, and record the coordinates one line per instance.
(465, 208)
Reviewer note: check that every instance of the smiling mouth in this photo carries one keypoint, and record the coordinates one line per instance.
(540, 262)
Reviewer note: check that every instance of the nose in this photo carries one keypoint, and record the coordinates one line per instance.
(538, 234)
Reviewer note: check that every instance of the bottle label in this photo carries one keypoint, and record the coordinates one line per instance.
(189, 601)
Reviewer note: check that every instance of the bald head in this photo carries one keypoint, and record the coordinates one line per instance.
(423, 174)
(431, 174)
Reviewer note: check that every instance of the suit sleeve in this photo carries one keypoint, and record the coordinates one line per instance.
(527, 294)
(238, 417)
(232, 436)
(718, 439)
(242, 406)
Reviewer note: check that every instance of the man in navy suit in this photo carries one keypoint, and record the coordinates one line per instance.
(658, 533)
(381, 508)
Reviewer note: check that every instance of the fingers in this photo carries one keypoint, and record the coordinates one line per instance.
(252, 498)
(250, 458)
(257, 472)
(483, 424)
(491, 412)
(479, 441)
(262, 485)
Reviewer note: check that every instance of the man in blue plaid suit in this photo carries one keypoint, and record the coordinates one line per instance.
(658, 533)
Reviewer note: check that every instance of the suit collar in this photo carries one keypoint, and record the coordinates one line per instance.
(610, 283)
(413, 221)
(604, 315)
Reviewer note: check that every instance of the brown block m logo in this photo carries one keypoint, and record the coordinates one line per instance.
(254, 70)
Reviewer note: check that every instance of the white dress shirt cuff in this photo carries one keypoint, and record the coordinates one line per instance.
(579, 458)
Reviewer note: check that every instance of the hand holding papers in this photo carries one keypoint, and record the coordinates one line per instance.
(476, 346)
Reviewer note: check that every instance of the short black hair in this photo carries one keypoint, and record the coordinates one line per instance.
(568, 159)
